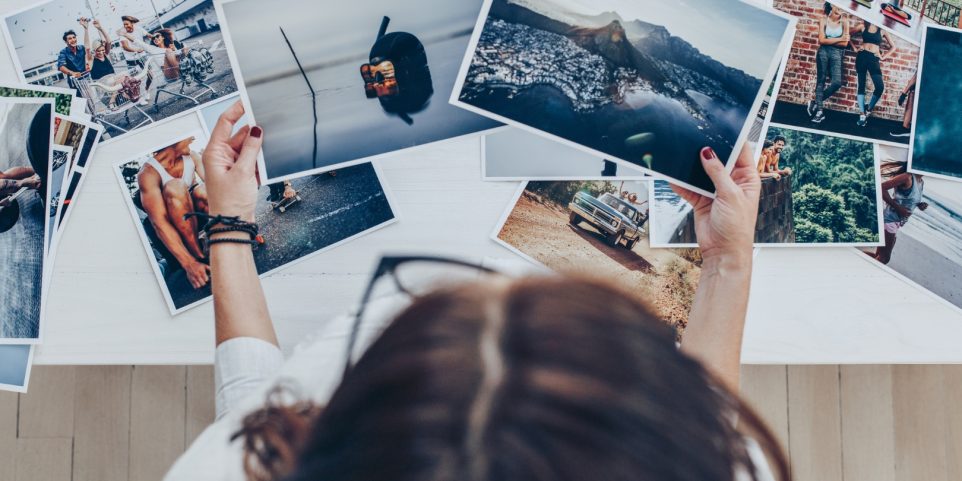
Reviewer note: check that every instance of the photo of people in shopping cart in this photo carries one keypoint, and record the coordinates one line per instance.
(135, 62)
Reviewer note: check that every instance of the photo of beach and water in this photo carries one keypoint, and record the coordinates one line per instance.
(924, 243)
(644, 82)
(939, 124)
(337, 84)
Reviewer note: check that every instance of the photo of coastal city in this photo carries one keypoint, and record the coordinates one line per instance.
(643, 82)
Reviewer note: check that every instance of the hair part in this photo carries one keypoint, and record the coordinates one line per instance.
(539, 379)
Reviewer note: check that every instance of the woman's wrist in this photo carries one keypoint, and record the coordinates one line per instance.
(729, 263)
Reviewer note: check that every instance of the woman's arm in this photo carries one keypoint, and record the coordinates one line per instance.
(725, 228)
(103, 36)
(88, 54)
(240, 309)
(902, 181)
(891, 46)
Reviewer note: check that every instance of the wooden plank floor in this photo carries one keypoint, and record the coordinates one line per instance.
(851, 423)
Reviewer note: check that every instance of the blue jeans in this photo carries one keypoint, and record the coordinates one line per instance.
(828, 63)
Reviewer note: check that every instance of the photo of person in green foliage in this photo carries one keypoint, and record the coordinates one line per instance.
(817, 190)
(835, 188)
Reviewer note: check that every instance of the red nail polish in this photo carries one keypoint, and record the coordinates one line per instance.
(257, 132)
(707, 153)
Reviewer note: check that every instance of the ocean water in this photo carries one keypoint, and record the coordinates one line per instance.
(667, 213)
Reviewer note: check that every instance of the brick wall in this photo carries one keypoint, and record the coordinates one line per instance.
(798, 85)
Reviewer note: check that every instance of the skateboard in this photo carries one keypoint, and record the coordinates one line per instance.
(284, 204)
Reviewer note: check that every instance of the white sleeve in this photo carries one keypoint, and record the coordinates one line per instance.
(241, 366)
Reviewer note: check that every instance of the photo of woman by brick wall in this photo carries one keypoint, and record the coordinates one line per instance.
(846, 76)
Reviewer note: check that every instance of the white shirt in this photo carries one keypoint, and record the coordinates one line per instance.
(138, 41)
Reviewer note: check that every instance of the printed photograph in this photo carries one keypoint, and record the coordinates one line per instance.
(905, 18)
(64, 101)
(77, 174)
(939, 109)
(644, 82)
(26, 136)
(133, 62)
(69, 132)
(336, 84)
(817, 190)
(600, 228)
(15, 367)
(846, 76)
(923, 229)
(59, 173)
(297, 218)
(514, 154)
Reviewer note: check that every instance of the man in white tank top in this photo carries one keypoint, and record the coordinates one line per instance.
(171, 186)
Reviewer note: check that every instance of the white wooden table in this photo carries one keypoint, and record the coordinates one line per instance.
(808, 306)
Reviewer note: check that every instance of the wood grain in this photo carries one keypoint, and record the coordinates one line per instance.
(8, 434)
(200, 401)
(920, 428)
(766, 389)
(47, 459)
(102, 423)
(868, 423)
(157, 419)
(952, 383)
(41, 410)
(814, 416)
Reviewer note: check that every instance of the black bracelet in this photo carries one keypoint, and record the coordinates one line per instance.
(222, 230)
(230, 240)
(232, 222)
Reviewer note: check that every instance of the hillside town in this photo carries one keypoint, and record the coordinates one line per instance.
(516, 56)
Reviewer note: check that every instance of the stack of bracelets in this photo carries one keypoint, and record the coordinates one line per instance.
(221, 224)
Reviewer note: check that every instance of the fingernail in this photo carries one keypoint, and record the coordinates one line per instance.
(257, 132)
(707, 153)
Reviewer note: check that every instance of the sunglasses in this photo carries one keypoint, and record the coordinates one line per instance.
(414, 277)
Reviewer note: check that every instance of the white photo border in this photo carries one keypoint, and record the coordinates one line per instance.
(915, 108)
(199, 134)
(787, 38)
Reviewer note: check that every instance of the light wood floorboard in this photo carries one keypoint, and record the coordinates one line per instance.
(849, 423)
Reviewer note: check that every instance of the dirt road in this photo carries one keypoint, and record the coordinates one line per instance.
(541, 230)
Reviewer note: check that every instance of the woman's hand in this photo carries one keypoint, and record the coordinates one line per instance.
(725, 226)
(230, 164)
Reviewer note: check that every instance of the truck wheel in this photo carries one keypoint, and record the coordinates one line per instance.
(614, 240)
(574, 219)
(631, 244)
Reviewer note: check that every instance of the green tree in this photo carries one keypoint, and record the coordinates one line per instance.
(833, 185)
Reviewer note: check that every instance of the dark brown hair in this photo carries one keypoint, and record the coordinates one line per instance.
(538, 379)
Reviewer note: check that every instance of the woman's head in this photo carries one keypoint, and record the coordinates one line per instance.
(539, 379)
(157, 39)
(100, 50)
(832, 12)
